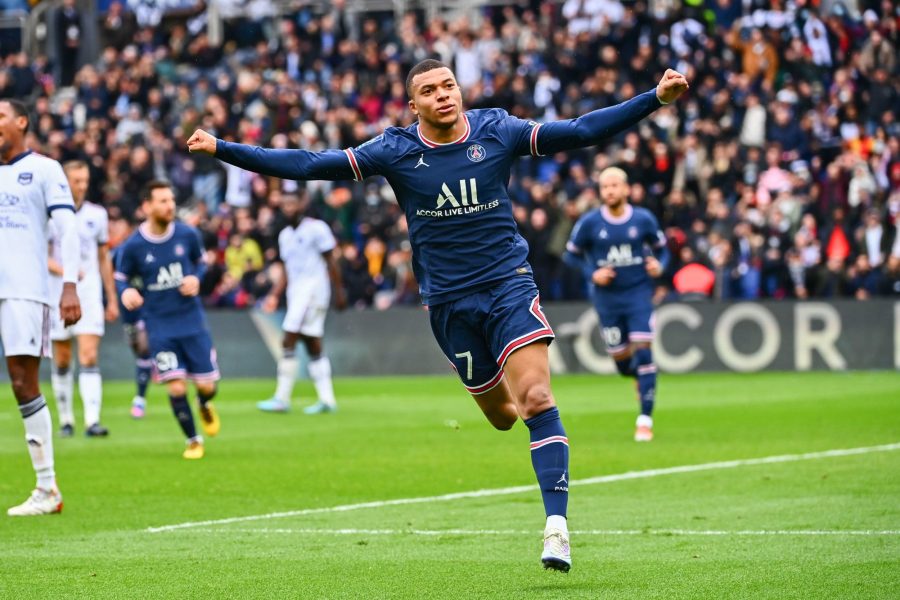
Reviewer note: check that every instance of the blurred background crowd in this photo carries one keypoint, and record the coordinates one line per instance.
(777, 176)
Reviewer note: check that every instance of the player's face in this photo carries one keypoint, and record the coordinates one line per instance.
(12, 129)
(79, 179)
(613, 190)
(436, 98)
(161, 206)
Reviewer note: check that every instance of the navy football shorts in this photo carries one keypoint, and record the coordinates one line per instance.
(184, 357)
(479, 332)
(622, 326)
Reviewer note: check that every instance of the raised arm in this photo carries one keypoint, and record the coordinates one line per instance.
(331, 165)
(597, 125)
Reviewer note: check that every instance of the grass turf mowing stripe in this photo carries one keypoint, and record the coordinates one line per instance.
(647, 473)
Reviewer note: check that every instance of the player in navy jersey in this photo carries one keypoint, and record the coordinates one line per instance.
(167, 257)
(449, 171)
(610, 243)
(136, 336)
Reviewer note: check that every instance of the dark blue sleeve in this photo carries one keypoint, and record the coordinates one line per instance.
(124, 269)
(331, 165)
(589, 129)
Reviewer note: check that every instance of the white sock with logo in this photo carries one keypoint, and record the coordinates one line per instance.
(320, 373)
(90, 384)
(287, 375)
(61, 380)
(39, 437)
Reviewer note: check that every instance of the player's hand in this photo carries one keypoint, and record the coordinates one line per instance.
(340, 299)
(672, 85)
(132, 299)
(270, 303)
(202, 142)
(112, 310)
(654, 269)
(190, 286)
(69, 305)
(603, 276)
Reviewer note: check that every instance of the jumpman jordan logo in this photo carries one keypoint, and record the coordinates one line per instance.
(421, 162)
(563, 479)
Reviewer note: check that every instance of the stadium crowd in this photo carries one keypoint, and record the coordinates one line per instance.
(778, 175)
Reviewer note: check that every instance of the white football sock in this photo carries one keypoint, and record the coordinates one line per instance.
(644, 421)
(62, 382)
(320, 373)
(287, 375)
(39, 437)
(557, 522)
(90, 384)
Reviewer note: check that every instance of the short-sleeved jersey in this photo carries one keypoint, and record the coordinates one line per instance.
(301, 250)
(93, 232)
(162, 263)
(621, 243)
(31, 187)
(461, 226)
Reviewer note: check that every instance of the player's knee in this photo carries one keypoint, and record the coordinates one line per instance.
(624, 364)
(537, 399)
(88, 358)
(177, 388)
(24, 388)
(207, 388)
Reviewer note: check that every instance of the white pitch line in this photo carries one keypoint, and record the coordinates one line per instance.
(628, 475)
(603, 532)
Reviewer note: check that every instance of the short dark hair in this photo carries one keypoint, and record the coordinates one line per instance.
(155, 184)
(429, 64)
(20, 110)
(74, 165)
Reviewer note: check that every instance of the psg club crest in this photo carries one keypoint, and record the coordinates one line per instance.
(25, 178)
(476, 153)
(179, 250)
(632, 232)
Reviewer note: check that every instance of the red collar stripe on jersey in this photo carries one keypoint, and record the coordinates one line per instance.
(534, 148)
(431, 144)
(357, 174)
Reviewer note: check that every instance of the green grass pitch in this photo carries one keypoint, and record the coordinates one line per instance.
(822, 527)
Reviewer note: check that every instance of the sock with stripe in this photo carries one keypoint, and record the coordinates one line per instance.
(550, 459)
(287, 375)
(183, 414)
(90, 384)
(63, 386)
(39, 437)
(646, 377)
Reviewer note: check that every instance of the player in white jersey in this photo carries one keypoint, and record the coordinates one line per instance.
(33, 189)
(95, 278)
(308, 272)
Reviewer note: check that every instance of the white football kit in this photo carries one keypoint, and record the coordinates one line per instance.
(31, 187)
(93, 232)
(308, 285)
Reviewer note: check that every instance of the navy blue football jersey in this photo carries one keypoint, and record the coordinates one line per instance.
(460, 217)
(621, 243)
(161, 263)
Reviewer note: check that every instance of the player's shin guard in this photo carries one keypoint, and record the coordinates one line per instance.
(320, 373)
(626, 366)
(183, 414)
(62, 382)
(287, 374)
(90, 384)
(39, 436)
(646, 376)
(550, 459)
(143, 368)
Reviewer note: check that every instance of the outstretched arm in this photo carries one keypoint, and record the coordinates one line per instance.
(589, 129)
(332, 165)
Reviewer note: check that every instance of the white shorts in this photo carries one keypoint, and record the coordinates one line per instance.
(92, 322)
(307, 306)
(24, 327)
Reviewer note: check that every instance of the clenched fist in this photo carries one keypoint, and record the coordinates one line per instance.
(203, 142)
(671, 86)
